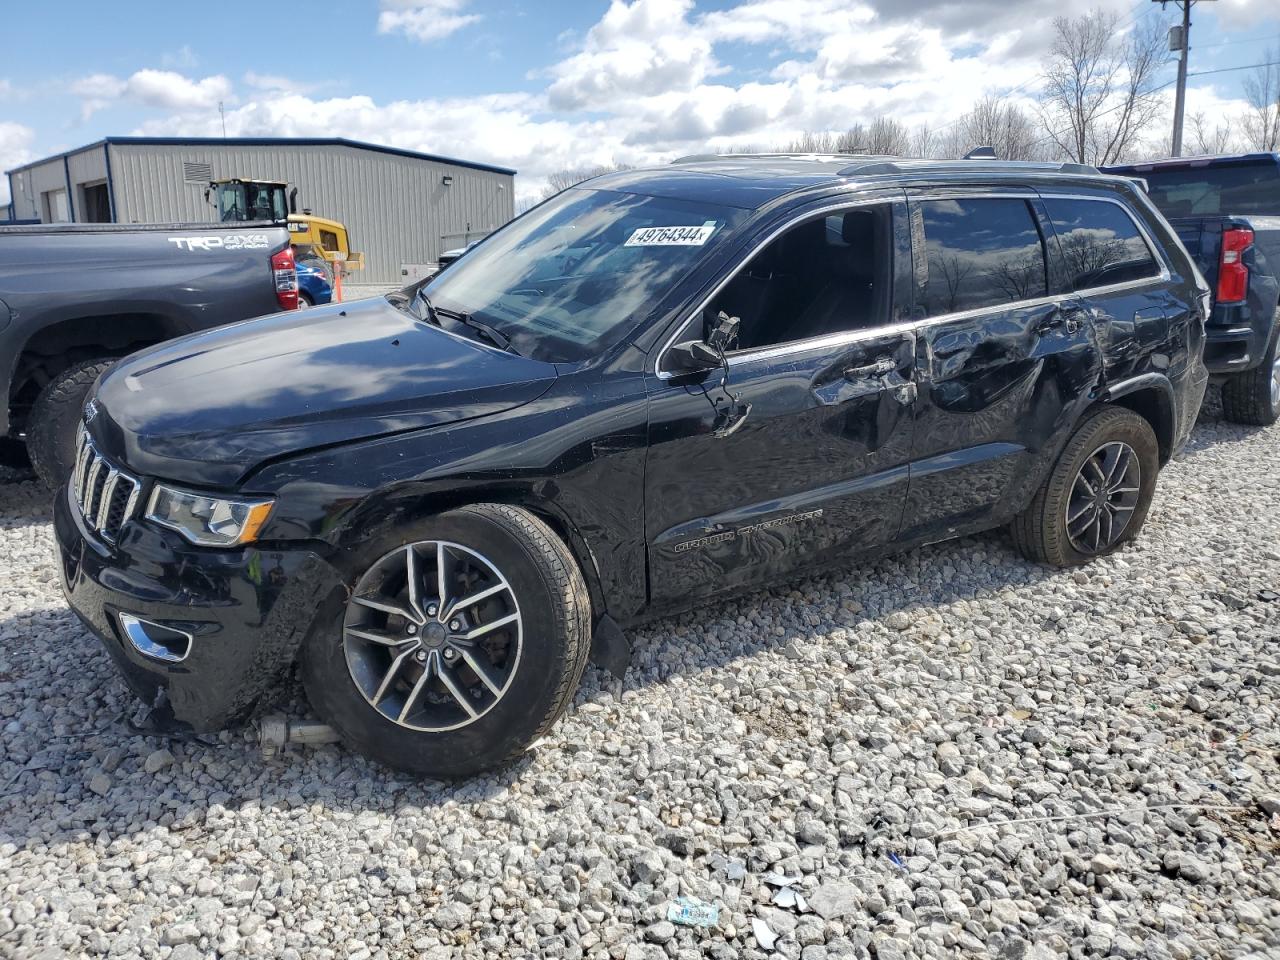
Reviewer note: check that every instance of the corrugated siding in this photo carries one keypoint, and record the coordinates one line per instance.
(30, 183)
(88, 166)
(397, 209)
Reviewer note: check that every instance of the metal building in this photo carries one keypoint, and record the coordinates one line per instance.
(402, 208)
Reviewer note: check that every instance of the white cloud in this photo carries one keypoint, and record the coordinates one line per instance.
(424, 20)
(276, 83)
(184, 58)
(15, 150)
(650, 80)
(646, 48)
(1240, 14)
(153, 88)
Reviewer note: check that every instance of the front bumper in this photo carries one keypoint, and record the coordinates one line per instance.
(245, 611)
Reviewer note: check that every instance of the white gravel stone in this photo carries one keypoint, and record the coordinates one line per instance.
(935, 744)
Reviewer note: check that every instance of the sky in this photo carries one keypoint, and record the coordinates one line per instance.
(550, 85)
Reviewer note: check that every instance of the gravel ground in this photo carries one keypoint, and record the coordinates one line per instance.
(951, 753)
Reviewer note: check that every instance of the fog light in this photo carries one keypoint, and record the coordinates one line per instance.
(155, 641)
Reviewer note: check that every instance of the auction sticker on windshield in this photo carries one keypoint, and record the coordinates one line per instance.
(672, 236)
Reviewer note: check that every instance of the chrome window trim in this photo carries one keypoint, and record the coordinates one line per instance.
(910, 326)
(1153, 248)
(794, 346)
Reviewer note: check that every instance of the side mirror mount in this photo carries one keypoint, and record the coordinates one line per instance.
(692, 356)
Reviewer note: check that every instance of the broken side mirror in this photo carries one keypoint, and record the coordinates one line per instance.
(692, 356)
(723, 335)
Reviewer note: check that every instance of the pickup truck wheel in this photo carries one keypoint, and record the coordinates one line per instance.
(54, 417)
(1253, 397)
(1097, 495)
(463, 640)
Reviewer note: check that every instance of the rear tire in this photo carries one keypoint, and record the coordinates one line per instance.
(1112, 449)
(484, 700)
(54, 417)
(1253, 397)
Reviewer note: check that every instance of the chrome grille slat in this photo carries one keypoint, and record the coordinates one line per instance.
(106, 507)
(104, 501)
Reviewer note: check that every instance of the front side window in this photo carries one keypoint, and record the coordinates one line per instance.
(827, 275)
(574, 275)
(980, 252)
(1100, 243)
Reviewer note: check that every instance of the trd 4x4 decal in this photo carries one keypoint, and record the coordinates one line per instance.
(234, 241)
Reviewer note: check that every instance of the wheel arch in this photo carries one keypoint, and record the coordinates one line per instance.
(411, 504)
(53, 347)
(1151, 397)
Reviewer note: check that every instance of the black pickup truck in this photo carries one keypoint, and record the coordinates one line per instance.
(1226, 211)
(75, 298)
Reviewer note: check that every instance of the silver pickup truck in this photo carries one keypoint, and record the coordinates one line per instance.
(75, 298)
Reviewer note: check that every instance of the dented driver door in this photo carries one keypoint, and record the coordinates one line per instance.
(815, 470)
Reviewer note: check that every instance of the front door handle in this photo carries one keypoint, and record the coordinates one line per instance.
(872, 371)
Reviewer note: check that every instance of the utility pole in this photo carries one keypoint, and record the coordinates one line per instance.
(223, 114)
(1180, 40)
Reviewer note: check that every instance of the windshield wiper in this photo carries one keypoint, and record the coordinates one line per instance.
(420, 296)
(492, 334)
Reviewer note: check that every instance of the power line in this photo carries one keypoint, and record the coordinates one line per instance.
(1167, 83)
(1227, 43)
(1251, 66)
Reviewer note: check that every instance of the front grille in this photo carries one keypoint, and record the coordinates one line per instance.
(106, 495)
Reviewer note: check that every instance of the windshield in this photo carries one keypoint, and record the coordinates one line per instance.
(1242, 190)
(238, 202)
(574, 275)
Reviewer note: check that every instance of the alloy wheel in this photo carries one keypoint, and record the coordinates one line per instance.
(432, 636)
(1103, 497)
(1275, 382)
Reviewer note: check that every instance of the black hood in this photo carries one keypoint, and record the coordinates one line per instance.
(208, 408)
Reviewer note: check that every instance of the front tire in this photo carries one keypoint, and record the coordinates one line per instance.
(1097, 495)
(463, 640)
(54, 417)
(1253, 397)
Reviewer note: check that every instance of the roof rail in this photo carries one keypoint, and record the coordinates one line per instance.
(706, 157)
(885, 167)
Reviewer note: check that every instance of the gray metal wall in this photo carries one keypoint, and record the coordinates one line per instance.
(397, 209)
(87, 166)
(30, 183)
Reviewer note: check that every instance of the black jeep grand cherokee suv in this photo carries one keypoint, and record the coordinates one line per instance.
(658, 386)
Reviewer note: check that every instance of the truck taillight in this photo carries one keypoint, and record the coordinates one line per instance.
(285, 273)
(1233, 275)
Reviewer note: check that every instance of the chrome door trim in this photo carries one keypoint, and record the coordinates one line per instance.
(908, 326)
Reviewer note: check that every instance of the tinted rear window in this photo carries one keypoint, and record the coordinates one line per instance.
(982, 252)
(1214, 191)
(1100, 243)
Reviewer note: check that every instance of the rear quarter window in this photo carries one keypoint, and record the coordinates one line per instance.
(1100, 243)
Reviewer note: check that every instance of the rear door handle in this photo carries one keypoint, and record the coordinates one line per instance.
(872, 371)
(1068, 320)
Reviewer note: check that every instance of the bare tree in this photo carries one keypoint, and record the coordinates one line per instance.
(1262, 90)
(923, 141)
(994, 122)
(887, 137)
(564, 179)
(1100, 90)
(1203, 138)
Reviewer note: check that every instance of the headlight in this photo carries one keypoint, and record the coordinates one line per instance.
(206, 520)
